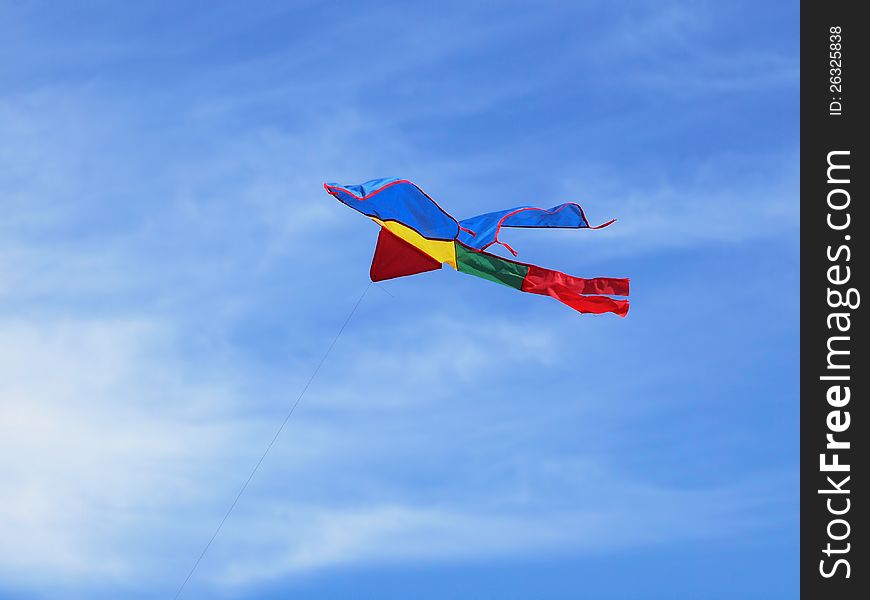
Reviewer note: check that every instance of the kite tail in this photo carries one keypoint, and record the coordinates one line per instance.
(574, 291)
(583, 295)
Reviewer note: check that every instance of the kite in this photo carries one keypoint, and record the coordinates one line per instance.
(417, 236)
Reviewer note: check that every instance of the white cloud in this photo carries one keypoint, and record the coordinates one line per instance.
(596, 512)
(119, 460)
(96, 440)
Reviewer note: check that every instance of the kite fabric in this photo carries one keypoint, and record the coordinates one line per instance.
(417, 236)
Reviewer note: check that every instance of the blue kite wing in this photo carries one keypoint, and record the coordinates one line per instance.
(482, 231)
(401, 201)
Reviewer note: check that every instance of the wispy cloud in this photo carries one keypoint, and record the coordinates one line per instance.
(108, 442)
(621, 514)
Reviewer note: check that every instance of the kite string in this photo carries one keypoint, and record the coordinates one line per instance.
(272, 441)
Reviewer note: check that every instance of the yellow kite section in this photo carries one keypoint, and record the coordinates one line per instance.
(441, 250)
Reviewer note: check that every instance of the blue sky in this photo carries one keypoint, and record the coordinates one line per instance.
(171, 271)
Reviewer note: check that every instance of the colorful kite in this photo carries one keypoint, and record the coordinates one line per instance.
(417, 236)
